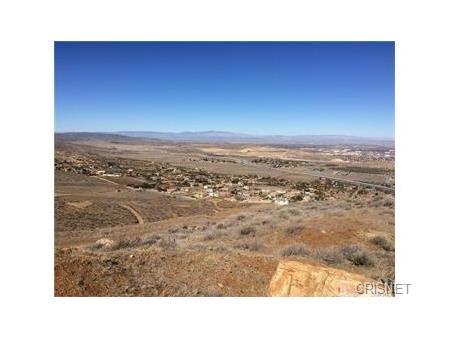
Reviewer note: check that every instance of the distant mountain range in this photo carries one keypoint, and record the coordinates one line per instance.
(229, 137)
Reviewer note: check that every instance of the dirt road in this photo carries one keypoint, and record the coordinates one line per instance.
(135, 213)
(105, 180)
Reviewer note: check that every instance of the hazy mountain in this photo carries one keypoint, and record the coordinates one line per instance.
(223, 136)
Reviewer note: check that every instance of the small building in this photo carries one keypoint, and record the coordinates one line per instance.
(281, 201)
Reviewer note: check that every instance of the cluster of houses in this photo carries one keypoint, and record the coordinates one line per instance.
(211, 160)
(281, 163)
(198, 183)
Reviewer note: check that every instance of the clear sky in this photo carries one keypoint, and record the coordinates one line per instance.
(290, 88)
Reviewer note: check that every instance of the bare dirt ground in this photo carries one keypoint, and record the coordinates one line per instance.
(164, 225)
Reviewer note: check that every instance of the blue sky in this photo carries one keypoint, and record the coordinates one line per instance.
(289, 88)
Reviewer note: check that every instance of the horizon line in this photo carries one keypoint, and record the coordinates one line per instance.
(224, 131)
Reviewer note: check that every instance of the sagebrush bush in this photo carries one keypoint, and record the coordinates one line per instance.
(296, 250)
(357, 255)
(330, 255)
(382, 242)
(128, 243)
(294, 212)
(212, 235)
(253, 246)
(150, 240)
(294, 229)
(168, 243)
(247, 231)
(266, 222)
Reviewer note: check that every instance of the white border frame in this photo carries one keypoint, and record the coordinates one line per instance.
(29, 29)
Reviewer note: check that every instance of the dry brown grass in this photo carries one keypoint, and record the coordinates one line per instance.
(213, 235)
(191, 251)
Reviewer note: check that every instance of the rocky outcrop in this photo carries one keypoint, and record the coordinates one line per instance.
(300, 279)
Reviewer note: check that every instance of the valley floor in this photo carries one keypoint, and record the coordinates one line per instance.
(113, 239)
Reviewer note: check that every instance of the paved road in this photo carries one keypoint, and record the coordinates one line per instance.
(343, 180)
(370, 185)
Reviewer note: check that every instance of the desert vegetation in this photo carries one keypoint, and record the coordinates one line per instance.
(133, 223)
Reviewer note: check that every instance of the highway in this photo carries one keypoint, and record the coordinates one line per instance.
(343, 180)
